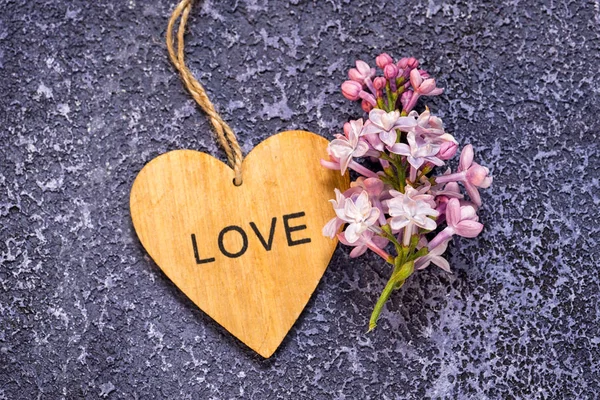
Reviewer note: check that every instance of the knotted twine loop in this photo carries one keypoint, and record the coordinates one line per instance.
(225, 135)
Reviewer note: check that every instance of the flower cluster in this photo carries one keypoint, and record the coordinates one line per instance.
(398, 201)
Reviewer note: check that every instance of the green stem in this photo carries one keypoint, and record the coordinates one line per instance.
(396, 281)
(401, 176)
(391, 102)
(391, 238)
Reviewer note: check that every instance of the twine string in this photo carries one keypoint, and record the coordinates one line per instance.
(225, 135)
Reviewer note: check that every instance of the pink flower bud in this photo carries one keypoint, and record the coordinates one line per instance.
(468, 228)
(447, 150)
(379, 83)
(383, 59)
(427, 86)
(361, 72)
(405, 99)
(347, 128)
(460, 220)
(366, 106)
(403, 63)
(466, 158)
(423, 87)
(390, 71)
(477, 174)
(412, 63)
(351, 90)
(356, 76)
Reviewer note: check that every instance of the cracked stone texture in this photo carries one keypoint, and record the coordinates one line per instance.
(89, 97)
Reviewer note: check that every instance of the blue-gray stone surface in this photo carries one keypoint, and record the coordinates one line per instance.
(88, 97)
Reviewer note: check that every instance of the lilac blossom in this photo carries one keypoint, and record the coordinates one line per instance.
(421, 87)
(375, 188)
(417, 152)
(367, 241)
(424, 87)
(408, 213)
(333, 226)
(360, 216)
(344, 148)
(461, 221)
(470, 174)
(431, 127)
(353, 91)
(447, 151)
(434, 256)
(361, 72)
(399, 197)
(384, 124)
(383, 59)
(335, 164)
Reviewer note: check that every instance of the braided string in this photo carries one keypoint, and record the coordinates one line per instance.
(225, 135)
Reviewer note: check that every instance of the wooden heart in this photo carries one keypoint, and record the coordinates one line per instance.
(249, 256)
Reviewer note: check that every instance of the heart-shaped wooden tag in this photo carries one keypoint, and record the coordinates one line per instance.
(249, 256)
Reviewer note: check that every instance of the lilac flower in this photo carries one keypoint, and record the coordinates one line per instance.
(390, 72)
(335, 164)
(417, 152)
(344, 148)
(383, 59)
(361, 72)
(434, 256)
(333, 226)
(360, 216)
(408, 62)
(447, 151)
(353, 91)
(407, 213)
(373, 186)
(431, 127)
(406, 65)
(405, 99)
(387, 205)
(368, 240)
(379, 84)
(461, 221)
(470, 174)
(375, 189)
(421, 87)
(384, 124)
(421, 194)
(449, 189)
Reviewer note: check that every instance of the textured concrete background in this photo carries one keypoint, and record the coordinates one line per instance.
(88, 97)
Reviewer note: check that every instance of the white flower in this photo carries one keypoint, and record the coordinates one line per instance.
(407, 213)
(331, 228)
(360, 216)
(417, 151)
(385, 124)
(431, 127)
(345, 148)
(416, 195)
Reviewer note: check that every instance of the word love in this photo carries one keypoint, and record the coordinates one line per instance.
(266, 243)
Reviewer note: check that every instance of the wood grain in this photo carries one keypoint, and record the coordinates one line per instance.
(257, 295)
